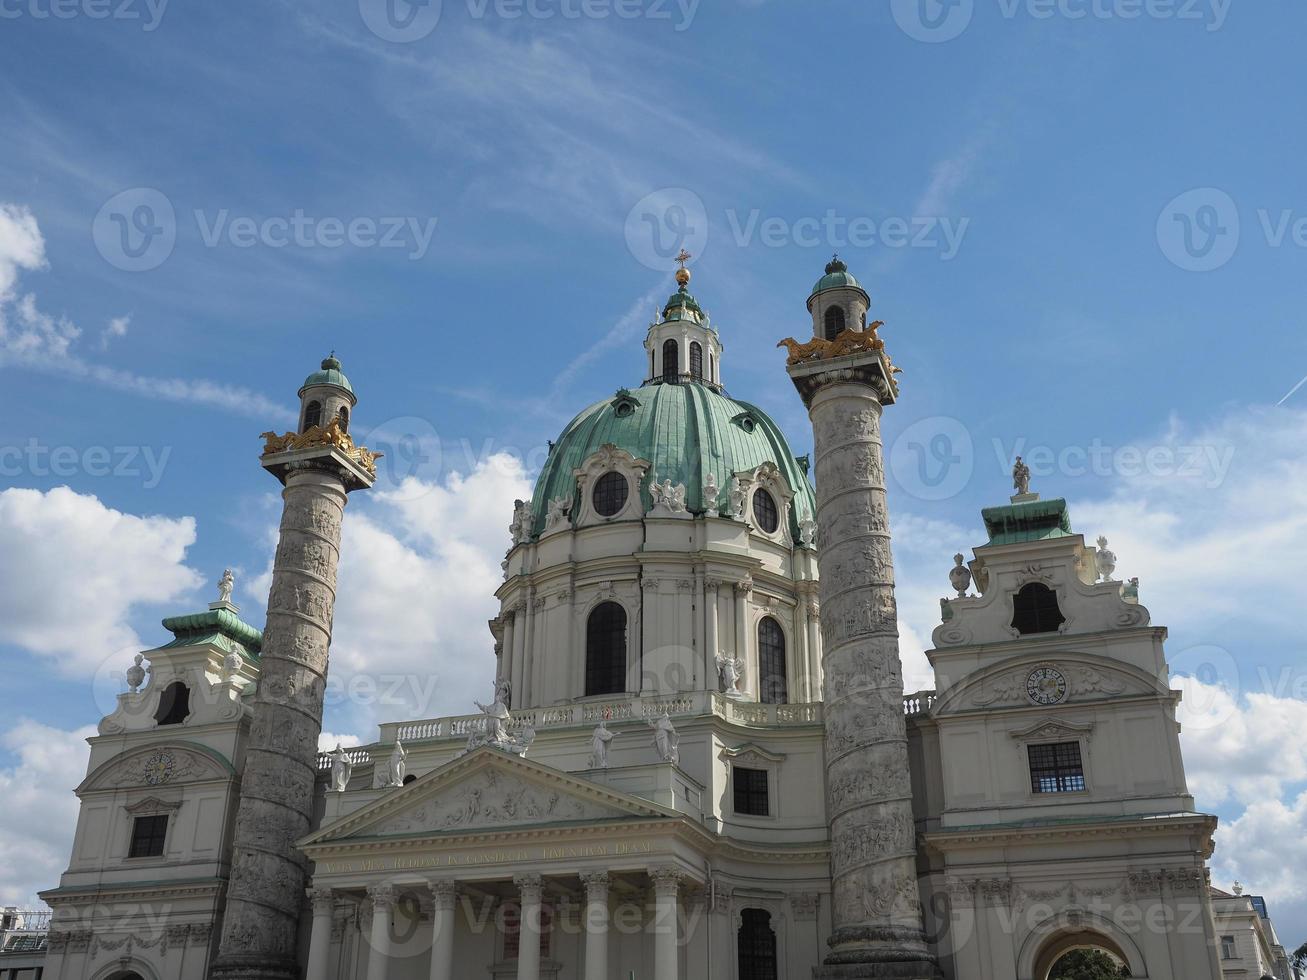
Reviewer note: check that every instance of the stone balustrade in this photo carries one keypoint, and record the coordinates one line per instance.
(918, 704)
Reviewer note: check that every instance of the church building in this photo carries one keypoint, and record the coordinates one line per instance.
(696, 759)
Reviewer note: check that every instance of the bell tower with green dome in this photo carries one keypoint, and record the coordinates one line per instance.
(837, 302)
(681, 344)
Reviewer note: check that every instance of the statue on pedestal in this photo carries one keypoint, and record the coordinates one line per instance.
(666, 740)
(341, 769)
(599, 740)
(225, 585)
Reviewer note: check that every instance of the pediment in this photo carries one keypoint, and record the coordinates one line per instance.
(487, 790)
(158, 765)
(1086, 678)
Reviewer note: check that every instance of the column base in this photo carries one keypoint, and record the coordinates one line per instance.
(254, 967)
(901, 970)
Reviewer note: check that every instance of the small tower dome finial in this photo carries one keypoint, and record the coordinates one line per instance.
(683, 274)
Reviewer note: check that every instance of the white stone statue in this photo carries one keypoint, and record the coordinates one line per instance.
(710, 494)
(231, 666)
(730, 671)
(738, 500)
(397, 766)
(666, 740)
(520, 529)
(959, 576)
(808, 532)
(497, 717)
(599, 740)
(135, 674)
(341, 769)
(668, 498)
(1104, 560)
(225, 585)
(1021, 477)
(504, 692)
(557, 517)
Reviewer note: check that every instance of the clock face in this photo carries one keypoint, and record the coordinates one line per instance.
(158, 768)
(1046, 685)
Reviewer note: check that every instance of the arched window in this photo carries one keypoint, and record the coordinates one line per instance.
(610, 493)
(605, 650)
(756, 946)
(671, 360)
(343, 414)
(1034, 610)
(765, 512)
(712, 368)
(834, 322)
(696, 360)
(773, 688)
(312, 415)
(174, 704)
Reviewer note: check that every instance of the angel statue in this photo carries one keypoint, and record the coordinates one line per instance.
(738, 497)
(1021, 477)
(225, 585)
(710, 492)
(396, 767)
(341, 769)
(599, 740)
(666, 740)
(731, 671)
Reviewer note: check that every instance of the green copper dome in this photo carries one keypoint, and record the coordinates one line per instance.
(331, 374)
(686, 431)
(679, 304)
(837, 276)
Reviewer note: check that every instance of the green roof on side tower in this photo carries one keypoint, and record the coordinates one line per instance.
(330, 374)
(837, 276)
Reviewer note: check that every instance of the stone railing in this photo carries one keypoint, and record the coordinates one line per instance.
(586, 713)
(918, 704)
(357, 757)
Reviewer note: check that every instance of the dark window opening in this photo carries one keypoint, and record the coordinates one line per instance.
(312, 415)
(1034, 610)
(605, 650)
(148, 835)
(765, 512)
(772, 685)
(343, 415)
(174, 704)
(671, 360)
(712, 376)
(750, 786)
(1056, 768)
(834, 322)
(756, 946)
(696, 360)
(610, 493)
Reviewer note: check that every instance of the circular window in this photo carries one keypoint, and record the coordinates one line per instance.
(610, 494)
(623, 410)
(764, 511)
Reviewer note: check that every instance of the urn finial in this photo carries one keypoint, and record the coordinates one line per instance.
(959, 576)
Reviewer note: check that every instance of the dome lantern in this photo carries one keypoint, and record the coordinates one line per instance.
(682, 345)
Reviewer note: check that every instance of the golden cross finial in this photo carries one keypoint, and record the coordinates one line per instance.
(684, 257)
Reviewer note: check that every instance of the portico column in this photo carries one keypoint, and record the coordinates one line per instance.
(383, 901)
(530, 889)
(596, 925)
(324, 904)
(667, 886)
(444, 894)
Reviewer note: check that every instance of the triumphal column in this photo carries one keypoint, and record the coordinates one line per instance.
(845, 379)
(318, 465)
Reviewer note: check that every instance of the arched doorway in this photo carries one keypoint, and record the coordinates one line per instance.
(1082, 956)
(1077, 929)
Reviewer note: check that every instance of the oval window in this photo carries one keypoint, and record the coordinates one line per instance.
(764, 511)
(610, 494)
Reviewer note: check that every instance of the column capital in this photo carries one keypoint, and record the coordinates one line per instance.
(382, 895)
(666, 880)
(444, 893)
(530, 885)
(744, 586)
(596, 885)
(323, 900)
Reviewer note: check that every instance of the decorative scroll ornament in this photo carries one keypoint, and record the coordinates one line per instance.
(849, 342)
(317, 436)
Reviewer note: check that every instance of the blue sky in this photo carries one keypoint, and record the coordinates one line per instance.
(1081, 231)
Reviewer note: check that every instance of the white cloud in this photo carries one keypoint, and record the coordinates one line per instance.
(419, 569)
(39, 341)
(40, 811)
(84, 567)
(1266, 850)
